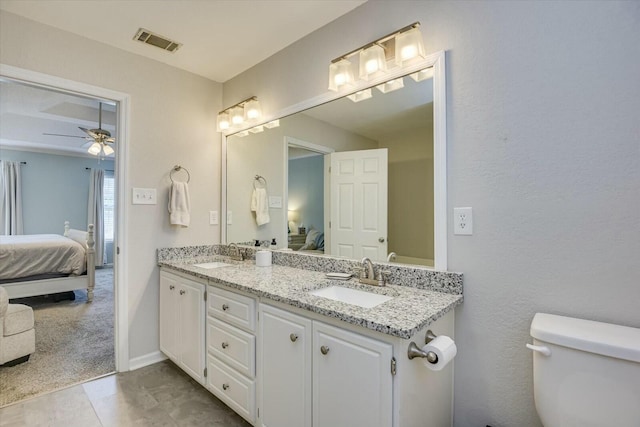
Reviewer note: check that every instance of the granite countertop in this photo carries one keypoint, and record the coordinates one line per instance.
(408, 312)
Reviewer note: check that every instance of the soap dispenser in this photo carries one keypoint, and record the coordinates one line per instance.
(273, 244)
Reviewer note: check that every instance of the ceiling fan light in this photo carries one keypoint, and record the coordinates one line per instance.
(340, 74)
(222, 122)
(107, 150)
(252, 110)
(237, 116)
(372, 62)
(360, 95)
(391, 85)
(95, 148)
(409, 46)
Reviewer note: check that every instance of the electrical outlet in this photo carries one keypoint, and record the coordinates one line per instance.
(462, 221)
(229, 218)
(213, 217)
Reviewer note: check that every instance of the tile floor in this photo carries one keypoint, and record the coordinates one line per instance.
(156, 395)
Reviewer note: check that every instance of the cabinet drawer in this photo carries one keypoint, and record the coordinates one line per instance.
(231, 345)
(234, 389)
(235, 309)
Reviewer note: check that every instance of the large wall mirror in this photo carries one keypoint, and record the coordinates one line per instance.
(348, 179)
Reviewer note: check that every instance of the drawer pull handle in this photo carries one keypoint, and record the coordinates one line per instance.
(293, 337)
(225, 344)
(225, 386)
(182, 291)
(324, 349)
(171, 287)
(225, 307)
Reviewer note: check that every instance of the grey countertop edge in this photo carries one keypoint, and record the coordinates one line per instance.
(348, 318)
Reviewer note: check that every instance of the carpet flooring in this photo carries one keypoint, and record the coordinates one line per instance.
(74, 343)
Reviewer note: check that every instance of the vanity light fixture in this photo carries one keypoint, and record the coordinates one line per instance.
(391, 85)
(257, 129)
(399, 48)
(247, 110)
(360, 95)
(421, 75)
(272, 124)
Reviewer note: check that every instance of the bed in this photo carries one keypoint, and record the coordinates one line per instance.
(42, 264)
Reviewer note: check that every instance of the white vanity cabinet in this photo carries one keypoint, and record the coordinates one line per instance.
(345, 377)
(182, 308)
(231, 350)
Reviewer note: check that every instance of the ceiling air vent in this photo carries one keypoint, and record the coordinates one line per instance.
(147, 37)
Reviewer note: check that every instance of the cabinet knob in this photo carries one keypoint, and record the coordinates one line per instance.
(293, 337)
(225, 307)
(182, 291)
(225, 386)
(171, 287)
(324, 349)
(225, 344)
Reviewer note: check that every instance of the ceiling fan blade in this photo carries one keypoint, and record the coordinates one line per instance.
(88, 132)
(87, 144)
(110, 140)
(68, 136)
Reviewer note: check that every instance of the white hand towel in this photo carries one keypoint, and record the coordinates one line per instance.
(260, 205)
(179, 204)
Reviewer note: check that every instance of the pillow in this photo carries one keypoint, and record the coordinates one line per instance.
(308, 247)
(320, 242)
(312, 236)
(77, 235)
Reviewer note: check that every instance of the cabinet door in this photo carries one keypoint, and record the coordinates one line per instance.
(352, 382)
(192, 325)
(285, 369)
(169, 316)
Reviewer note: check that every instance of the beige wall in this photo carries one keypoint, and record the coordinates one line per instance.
(542, 103)
(410, 202)
(172, 122)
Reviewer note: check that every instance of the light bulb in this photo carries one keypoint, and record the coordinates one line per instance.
(372, 62)
(95, 148)
(107, 150)
(223, 122)
(237, 116)
(252, 110)
(409, 45)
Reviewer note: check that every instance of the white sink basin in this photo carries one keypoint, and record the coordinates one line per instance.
(351, 296)
(212, 265)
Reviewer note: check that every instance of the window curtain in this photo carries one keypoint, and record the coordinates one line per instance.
(95, 214)
(10, 198)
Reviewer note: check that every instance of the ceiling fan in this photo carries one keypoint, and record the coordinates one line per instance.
(99, 137)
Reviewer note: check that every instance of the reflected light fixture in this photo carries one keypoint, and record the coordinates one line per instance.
(400, 48)
(391, 85)
(360, 95)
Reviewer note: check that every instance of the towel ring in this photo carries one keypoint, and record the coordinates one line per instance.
(178, 168)
(259, 179)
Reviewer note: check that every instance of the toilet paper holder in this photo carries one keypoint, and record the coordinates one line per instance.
(414, 351)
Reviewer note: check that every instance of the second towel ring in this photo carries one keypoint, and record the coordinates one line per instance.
(178, 168)
(259, 179)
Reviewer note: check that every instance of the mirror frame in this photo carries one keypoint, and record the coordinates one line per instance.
(437, 62)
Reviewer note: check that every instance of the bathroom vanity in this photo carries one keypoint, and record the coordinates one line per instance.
(280, 353)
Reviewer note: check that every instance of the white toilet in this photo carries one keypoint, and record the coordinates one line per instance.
(585, 373)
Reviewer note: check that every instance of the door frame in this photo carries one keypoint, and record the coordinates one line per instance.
(121, 328)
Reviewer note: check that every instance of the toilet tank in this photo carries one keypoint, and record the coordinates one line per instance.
(591, 375)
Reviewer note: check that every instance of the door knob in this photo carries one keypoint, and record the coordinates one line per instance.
(293, 337)
(381, 239)
(324, 349)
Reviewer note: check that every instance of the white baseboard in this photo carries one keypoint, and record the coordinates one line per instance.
(146, 360)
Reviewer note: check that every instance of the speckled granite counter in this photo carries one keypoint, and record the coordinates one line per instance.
(410, 310)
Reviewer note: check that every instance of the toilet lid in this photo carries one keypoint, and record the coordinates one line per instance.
(621, 342)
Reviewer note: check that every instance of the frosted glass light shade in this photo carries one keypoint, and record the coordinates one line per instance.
(237, 116)
(421, 75)
(272, 124)
(409, 46)
(222, 122)
(257, 129)
(372, 62)
(252, 110)
(242, 133)
(391, 85)
(107, 150)
(95, 148)
(340, 74)
(360, 95)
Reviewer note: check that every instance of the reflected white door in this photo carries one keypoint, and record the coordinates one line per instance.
(358, 223)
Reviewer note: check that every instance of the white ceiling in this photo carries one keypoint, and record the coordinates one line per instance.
(221, 38)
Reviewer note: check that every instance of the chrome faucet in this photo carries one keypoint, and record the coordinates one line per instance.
(367, 274)
(235, 253)
(391, 257)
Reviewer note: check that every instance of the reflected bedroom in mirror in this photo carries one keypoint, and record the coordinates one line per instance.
(351, 178)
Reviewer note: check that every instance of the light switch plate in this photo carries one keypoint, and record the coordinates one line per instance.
(463, 221)
(144, 196)
(275, 202)
(213, 217)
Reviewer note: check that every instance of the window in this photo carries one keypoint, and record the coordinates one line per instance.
(109, 207)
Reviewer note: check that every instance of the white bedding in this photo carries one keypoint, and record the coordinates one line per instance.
(33, 254)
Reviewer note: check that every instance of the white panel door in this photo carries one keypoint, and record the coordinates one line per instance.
(192, 329)
(285, 369)
(358, 181)
(169, 316)
(352, 382)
